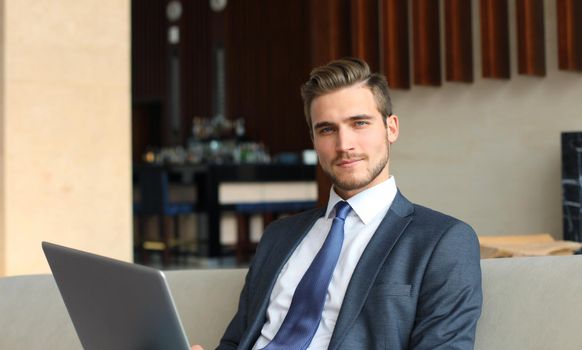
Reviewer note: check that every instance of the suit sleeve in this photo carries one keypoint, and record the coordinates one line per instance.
(450, 296)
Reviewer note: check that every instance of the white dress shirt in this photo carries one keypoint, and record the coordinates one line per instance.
(368, 209)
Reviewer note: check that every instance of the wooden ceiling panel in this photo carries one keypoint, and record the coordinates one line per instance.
(394, 52)
(495, 39)
(426, 42)
(531, 37)
(458, 41)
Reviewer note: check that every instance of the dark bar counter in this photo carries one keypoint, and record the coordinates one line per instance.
(208, 177)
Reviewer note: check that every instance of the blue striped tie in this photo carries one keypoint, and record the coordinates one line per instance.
(304, 314)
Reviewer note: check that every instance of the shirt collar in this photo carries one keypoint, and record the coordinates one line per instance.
(367, 204)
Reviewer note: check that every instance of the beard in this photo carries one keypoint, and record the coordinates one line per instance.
(350, 182)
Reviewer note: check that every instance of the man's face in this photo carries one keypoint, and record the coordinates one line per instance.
(351, 139)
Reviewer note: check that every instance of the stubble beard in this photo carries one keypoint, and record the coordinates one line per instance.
(350, 183)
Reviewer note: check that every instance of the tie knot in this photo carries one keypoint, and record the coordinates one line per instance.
(342, 209)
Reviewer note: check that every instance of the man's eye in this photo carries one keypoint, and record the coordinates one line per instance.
(326, 130)
(360, 123)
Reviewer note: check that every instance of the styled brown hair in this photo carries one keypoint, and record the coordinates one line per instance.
(340, 74)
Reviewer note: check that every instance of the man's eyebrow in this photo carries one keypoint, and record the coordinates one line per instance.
(360, 116)
(322, 125)
(350, 118)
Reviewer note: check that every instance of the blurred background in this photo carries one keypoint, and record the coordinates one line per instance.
(101, 102)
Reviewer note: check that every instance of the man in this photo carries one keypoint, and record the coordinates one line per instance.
(406, 277)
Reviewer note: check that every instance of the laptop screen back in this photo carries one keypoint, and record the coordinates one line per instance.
(115, 304)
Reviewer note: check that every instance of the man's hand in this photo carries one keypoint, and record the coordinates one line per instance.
(197, 347)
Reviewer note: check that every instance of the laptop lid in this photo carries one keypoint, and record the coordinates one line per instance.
(115, 304)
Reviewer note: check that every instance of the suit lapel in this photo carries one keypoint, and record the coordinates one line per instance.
(367, 269)
(272, 265)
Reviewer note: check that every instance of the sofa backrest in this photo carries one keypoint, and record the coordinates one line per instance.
(529, 303)
(206, 301)
(33, 315)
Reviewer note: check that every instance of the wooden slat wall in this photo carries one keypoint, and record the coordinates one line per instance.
(364, 31)
(459, 41)
(198, 32)
(267, 59)
(495, 39)
(148, 50)
(569, 34)
(150, 68)
(329, 34)
(426, 42)
(394, 43)
(530, 37)
(148, 65)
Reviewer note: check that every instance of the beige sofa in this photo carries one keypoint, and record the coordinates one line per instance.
(529, 303)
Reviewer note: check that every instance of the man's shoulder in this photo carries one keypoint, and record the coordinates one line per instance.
(308, 215)
(402, 206)
(427, 214)
(441, 226)
(291, 222)
(431, 222)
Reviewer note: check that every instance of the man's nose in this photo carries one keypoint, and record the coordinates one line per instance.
(345, 140)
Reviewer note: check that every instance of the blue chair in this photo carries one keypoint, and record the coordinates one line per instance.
(154, 189)
(269, 211)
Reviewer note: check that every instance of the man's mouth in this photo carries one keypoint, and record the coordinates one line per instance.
(347, 162)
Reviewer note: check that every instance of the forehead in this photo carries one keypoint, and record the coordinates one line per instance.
(345, 102)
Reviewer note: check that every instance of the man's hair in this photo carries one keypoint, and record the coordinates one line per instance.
(344, 73)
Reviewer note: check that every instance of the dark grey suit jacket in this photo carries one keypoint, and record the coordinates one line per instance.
(416, 286)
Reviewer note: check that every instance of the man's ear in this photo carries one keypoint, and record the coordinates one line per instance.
(392, 128)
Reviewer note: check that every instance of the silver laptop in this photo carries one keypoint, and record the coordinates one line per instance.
(115, 304)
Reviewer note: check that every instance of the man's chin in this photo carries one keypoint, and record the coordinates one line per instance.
(350, 184)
